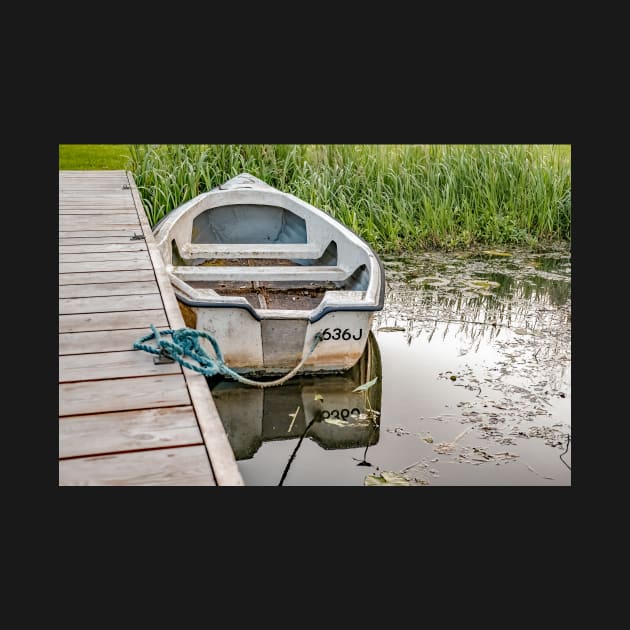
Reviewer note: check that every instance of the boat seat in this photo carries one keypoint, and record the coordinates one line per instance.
(253, 250)
(270, 273)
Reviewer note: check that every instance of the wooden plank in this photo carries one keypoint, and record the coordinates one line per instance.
(122, 394)
(99, 174)
(185, 466)
(95, 196)
(103, 256)
(272, 273)
(88, 221)
(112, 303)
(103, 365)
(82, 248)
(139, 275)
(105, 234)
(106, 194)
(98, 241)
(128, 431)
(102, 173)
(112, 321)
(93, 225)
(267, 250)
(104, 265)
(101, 340)
(95, 222)
(220, 452)
(94, 210)
(103, 289)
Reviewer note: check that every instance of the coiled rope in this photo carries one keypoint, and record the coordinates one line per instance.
(185, 343)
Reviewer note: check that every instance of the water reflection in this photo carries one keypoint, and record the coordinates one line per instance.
(324, 409)
(477, 297)
(474, 387)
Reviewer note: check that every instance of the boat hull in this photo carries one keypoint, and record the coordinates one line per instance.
(277, 345)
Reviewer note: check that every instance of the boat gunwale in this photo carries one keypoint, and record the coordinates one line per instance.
(314, 316)
(251, 194)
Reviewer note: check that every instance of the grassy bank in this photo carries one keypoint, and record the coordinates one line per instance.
(397, 197)
(93, 157)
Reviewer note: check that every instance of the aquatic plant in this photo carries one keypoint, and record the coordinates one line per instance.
(397, 197)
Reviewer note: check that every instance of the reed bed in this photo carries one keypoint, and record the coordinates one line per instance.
(397, 197)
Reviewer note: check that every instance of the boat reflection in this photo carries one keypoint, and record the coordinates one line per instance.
(329, 412)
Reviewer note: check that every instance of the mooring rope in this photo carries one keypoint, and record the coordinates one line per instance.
(186, 343)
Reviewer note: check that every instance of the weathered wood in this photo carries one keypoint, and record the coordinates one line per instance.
(81, 248)
(101, 340)
(122, 394)
(85, 220)
(124, 234)
(103, 365)
(186, 466)
(95, 210)
(82, 277)
(95, 226)
(244, 274)
(127, 431)
(104, 265)
(112, 303)
(103, 256)
(103, 240)
(118, 409)
(92, 194)
(267, 250)
(215, 438)
(112, 321)
(103, 289)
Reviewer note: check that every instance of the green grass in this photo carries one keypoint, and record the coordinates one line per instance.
(398, 197)
(93, 156)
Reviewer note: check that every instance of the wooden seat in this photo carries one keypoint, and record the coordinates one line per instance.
(271, 273)
(253, 250)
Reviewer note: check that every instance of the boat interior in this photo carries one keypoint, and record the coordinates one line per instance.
(262, 253)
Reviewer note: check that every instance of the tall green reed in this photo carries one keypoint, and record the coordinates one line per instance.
(397, 197)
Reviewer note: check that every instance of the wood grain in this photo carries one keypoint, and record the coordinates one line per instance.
(104, 265)
(128, 431)
(112, 321)
(100, 340)
(123, 394)
(130, 275)
(110, 303)
(103, 289)
(187, 466)
(120, 364)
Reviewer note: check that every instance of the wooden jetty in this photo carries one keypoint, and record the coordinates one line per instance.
(123, 419)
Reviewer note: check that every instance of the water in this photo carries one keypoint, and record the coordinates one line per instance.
(473, 359)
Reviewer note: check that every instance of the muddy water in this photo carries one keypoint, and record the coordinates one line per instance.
(473, 359)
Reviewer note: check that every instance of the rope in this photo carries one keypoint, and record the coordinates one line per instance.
(186, 343)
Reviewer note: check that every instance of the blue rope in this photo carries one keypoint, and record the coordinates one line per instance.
(186, 343)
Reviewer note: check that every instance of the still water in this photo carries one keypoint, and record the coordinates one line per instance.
(472, 360)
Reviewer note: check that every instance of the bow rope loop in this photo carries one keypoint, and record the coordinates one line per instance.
(185, 342)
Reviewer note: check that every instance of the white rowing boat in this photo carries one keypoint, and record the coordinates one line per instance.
(263, 272)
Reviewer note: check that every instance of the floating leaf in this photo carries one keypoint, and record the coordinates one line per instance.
(485, 284)
(318, 397)
(428, 439)
(386, 478)
(453, 377)
(365, 386)
(444, 447)
(494, 252)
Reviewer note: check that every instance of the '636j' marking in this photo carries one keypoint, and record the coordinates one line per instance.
(336, 334)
